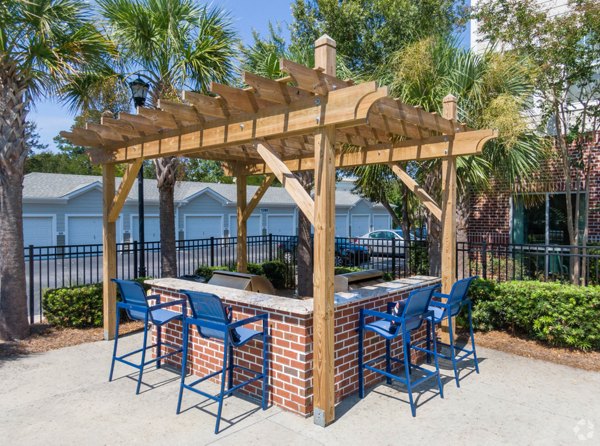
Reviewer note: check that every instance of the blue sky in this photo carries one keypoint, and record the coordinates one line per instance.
(247, 15)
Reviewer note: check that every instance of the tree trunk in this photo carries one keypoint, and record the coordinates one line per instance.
(462, 225)
(13, 294)
(166, 169)
(572, 223)
(395, 220)
(434, 226)
(305, 244)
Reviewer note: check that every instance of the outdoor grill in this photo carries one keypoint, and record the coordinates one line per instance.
(357, 279)
(241, 281)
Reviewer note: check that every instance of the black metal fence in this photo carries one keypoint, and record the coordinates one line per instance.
(508, 261)
(63, 266)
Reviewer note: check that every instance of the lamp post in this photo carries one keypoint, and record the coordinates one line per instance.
(139, 93)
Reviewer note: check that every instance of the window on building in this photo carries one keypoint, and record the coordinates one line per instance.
(542, 218)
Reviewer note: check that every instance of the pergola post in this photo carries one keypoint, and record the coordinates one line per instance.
(324, 311)
(449, 206)
(109, 256)
(242, 227)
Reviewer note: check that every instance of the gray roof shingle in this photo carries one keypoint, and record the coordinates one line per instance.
(60, 186)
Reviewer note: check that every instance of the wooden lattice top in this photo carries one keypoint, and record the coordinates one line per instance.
(284, 114)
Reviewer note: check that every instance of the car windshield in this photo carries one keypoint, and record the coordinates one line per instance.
(399, 232)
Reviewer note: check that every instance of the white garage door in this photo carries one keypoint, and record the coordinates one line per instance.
(381, 222)
(281, 224)
(341, 225)
(151, 228)
(360, 225)
(38, 231)
(253, 226)
(203, 226)
(84, 230)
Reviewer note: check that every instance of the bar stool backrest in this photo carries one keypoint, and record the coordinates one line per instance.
(459, 293)
(133, 293)
(416, 306)
(207, 307)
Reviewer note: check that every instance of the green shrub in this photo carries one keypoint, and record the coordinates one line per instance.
(556, 313)
(255, 268)
(275, 271)
(207, 271)
(418, 258)
(346, 269)
(78, 307)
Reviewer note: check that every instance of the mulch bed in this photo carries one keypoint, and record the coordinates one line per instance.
(45, 337)
(517, 345)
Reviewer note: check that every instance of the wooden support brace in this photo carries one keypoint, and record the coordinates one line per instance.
(425, 198)
(260, 192)
(288, 180)
(124, 189)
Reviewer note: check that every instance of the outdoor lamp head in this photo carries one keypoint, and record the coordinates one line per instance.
(139, 91)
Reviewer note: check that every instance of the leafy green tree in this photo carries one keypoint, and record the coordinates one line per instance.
(42, 44)
(207, 171)
(175, 45)
(367, 32)
(566, 48)
(68, 159)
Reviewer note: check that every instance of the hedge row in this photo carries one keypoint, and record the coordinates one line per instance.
(77, 306)
(556, 313)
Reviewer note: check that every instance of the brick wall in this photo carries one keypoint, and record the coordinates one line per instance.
(489, 218)
(291, 350)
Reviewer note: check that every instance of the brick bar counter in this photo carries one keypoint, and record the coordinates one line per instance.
(291, 344)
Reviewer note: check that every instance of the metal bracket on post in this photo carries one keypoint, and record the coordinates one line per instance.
(319, 417)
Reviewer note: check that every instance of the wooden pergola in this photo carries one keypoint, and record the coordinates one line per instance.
(304, 121)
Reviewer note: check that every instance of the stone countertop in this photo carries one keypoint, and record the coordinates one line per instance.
(301, 307)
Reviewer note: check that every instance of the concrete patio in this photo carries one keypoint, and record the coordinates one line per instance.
(63, 397)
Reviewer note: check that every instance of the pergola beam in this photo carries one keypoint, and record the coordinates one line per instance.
(425, 198)
(260, 192)
(468, 143)
(288, 180)
(346, 107)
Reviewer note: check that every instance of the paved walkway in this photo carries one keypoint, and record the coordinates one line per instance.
(63, 398)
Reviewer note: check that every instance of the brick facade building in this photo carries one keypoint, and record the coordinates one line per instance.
(499, 215)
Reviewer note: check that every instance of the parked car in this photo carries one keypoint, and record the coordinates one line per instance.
(383, 242)
(347, 253)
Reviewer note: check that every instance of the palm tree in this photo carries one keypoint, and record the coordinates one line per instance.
(176, 45)
(494, 90)
(42, 44)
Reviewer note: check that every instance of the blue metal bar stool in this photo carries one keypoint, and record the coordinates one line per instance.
(212, 322)
(415, 312)
(135, 303)
(449, 307)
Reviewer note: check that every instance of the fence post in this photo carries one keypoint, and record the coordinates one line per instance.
(212, 251)
(270, 247)
(135, 259)
(31, 287)
(394, 257)
(484, 260)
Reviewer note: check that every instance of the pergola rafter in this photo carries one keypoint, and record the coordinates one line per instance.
(308, 120)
